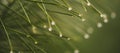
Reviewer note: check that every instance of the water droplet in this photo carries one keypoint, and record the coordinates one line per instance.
(113, 15)
(83, 19)
(90, 30)
(44, 26)
(36, 42)
(68, 38)
(88, 4)
(50, 29)
(103, 16)
(86, 36)
(76, 51)
(53, 23)
(80, 15)
(106, 20)
(34, 29)
(70, 8)
(99, 25)
(60, 34)
(11, 51)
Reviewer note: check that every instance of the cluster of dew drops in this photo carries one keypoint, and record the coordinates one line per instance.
(90, 30)
(104, 16)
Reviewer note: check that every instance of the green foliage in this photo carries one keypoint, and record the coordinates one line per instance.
(49, 26)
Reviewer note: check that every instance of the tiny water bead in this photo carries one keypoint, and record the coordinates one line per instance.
(36, 42)
(60, 35)
(86, 36)
(52, 23)
(44, 26)
(76, 51)
(34, 29)
(99, 25)
(68, 38)
(83, 19)
(69, 8)
(103, 15)
(11, 51)
(105, 20)
(50, 28)
(88, 4)
(80, 15)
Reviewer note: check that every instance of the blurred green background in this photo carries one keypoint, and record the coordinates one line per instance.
(106, 39)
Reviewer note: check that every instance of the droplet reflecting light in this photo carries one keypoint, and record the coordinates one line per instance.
(86, 36)
(83, 19)
(60, 35)
(53, 23)
(76, 51)
(36, 42)
(11, 51)
(70, 8)
(88, 4)
(50, 29)
(99, 25)
(44, 26)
